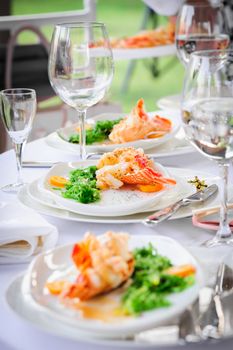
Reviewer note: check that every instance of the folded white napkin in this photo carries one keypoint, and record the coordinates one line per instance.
(23, 233)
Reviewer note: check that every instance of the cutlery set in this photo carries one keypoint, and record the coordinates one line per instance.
(166, 213)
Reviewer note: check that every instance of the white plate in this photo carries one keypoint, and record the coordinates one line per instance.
(55, 264)
(123, 201)
(170, 102)
(18, 302)
(56, 141)
(182, 189)
(33, 197)
(177, 145)
(139, 53)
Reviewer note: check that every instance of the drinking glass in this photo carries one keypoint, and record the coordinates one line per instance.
(80, 68)
(207, 113)
(17, 109)
(200, 26)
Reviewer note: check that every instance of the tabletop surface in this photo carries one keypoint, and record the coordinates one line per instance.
(17, 334)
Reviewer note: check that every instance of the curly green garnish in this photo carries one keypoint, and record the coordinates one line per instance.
(150, 282)
(82, 186)
(98, 133)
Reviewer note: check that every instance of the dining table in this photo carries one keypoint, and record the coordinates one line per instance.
(19, 334)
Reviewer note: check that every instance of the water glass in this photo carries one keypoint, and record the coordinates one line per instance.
(207, 112)
(200, 26)
(17, 109)
(80, 68)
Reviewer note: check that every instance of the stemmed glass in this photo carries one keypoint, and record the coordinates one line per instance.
(200, 26)
(80, 68)
(207, 112)
(17, 109)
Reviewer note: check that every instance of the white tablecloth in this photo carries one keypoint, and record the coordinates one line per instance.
(16, 333)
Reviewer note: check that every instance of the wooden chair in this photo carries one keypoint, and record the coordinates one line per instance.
(26, 65)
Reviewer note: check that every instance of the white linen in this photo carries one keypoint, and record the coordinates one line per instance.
(23, 233)
(26, 335)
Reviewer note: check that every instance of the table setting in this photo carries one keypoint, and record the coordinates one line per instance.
(117, 232)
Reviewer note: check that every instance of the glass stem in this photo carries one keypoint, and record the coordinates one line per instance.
(18, 153)
(224, 230)
(82, 134)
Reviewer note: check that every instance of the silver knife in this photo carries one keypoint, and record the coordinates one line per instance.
(167, 212)
(38, 164)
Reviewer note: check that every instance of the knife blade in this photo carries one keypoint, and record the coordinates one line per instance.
(38, 164)
(165, 213)
(212, 322)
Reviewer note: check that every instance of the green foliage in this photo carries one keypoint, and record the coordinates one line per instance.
(82, 186)
(150, 283)
(99, 133)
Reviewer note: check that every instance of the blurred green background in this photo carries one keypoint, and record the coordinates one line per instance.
(122, 17)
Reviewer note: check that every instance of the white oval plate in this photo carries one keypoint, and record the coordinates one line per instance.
(146, 52)
(30, 312)
(177, 145)
(32, 196)
(54, 140)
(112, 202)
(57, 262)
(182, 189)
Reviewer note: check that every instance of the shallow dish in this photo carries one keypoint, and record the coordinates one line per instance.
(175, 146)
(124, 201)
(139, 53)
(57, 262)
(57, 141)
(32, 196)
(36, 192)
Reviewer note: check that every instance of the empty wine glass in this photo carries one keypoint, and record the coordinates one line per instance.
(200, 26)
(80, 68)
(207, 112)
(17, 109)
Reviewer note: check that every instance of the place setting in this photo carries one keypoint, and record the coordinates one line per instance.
(165, 138)
(127, 204)
(116, 316)
(72, 298)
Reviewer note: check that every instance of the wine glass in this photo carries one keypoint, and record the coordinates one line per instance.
(200, 26)
(207, 113)
(80, 68)
(17, 109)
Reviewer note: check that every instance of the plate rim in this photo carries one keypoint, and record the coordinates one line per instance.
(81, 208)
(73, 335)
(178, 152)
(137, 324)
(23, 192)
(53, 140)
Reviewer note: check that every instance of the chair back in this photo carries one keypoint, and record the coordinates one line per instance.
(27, 65)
